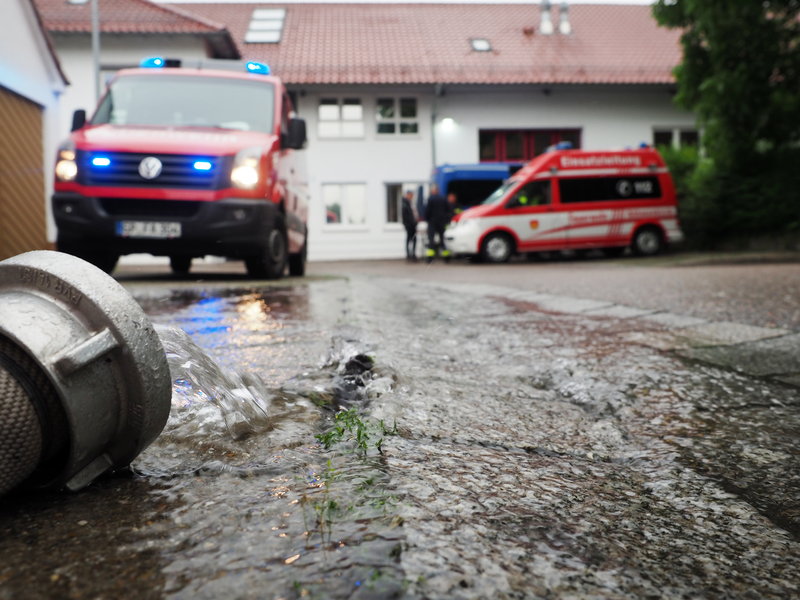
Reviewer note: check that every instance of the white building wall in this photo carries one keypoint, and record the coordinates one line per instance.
(28, 69)
(375, 160)
(116, 51)
(608, 117)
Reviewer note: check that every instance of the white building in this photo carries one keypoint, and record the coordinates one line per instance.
(391, 90)
(462, 83)
(31, 82)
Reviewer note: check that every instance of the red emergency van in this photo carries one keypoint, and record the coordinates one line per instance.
(184, 161)
(574, 199)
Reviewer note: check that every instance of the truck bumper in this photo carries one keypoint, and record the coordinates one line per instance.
(234, 227)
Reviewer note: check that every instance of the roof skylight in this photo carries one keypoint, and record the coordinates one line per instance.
(266, 26)
(480, 45)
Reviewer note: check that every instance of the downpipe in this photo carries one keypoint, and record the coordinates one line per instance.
(84, 381)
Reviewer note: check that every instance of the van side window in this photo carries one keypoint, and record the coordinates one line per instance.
(598, 189)
(535, 193)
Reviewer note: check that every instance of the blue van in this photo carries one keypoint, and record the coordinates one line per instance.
(472, 184)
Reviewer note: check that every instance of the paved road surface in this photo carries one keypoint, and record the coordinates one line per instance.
(556, 437)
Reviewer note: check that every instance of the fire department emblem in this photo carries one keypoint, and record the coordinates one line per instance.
(150, 167)
(624, 188)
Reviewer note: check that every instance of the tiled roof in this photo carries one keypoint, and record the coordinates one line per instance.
(430, 43)
(123, 16)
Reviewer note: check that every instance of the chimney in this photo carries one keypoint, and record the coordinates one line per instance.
(546, 26)
(564, 27)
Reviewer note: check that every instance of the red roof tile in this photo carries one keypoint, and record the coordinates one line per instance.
(430, 43)
(123, 16)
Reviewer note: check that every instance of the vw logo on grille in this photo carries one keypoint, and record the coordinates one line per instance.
(150, 167)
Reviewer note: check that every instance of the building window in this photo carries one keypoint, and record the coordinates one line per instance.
(394, 199)
(675, 137)
(340, 118)
(397, 116)
(266, 26)
(480, 45)
(345, 204)
(522, 145)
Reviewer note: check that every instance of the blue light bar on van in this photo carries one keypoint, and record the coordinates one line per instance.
(154, 62)
(564, 146)
(257, 67)
(202, 165)
(101, 161)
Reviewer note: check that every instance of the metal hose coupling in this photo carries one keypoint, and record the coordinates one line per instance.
(84, 381)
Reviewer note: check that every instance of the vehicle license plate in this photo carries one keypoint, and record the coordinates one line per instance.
(148, 229)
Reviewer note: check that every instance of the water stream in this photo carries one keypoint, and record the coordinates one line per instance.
(252, 494)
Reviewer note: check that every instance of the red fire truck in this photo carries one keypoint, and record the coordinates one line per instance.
(184, 161)
(574, 199)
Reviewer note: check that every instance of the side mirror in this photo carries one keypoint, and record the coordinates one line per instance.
(297, 134)
(78, 119)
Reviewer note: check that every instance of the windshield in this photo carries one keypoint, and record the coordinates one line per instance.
(498, 194)
(186, 101)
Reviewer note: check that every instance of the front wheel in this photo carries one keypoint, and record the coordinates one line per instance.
(497, 248)
(270, 262)
(297, 262)
(648, 242)
(180, 265)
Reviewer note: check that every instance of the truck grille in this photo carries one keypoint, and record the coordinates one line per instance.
(177, 170)
(130, 207)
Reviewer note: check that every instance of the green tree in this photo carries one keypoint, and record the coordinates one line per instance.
(741, 75)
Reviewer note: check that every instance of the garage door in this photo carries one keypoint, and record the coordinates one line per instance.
(22, 199)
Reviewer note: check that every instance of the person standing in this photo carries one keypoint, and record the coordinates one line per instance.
(410, 223)
(438, 214)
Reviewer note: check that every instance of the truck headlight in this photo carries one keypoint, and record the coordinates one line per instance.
(66, 167)
(245, 172)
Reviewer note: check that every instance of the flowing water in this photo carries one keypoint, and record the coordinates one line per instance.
(257, 500)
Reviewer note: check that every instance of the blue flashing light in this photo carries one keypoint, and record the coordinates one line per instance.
(257, 67)
(202, 165)
(101, 161)
(154, 62)
(564, 146)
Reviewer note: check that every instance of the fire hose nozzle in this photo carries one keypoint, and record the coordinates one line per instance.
(84, 381)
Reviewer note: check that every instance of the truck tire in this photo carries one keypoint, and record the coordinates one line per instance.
(647, 242)
(180, 265)
(270, 262)
(297, 262)
(497, 247)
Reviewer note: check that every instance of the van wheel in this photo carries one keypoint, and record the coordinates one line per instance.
(497, 248)
(647, 242)
(270, 262)
(297, 262)
(180, 265)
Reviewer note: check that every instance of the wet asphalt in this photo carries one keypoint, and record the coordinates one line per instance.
(567, 429)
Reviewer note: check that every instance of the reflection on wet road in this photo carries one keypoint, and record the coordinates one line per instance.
(535, 454)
